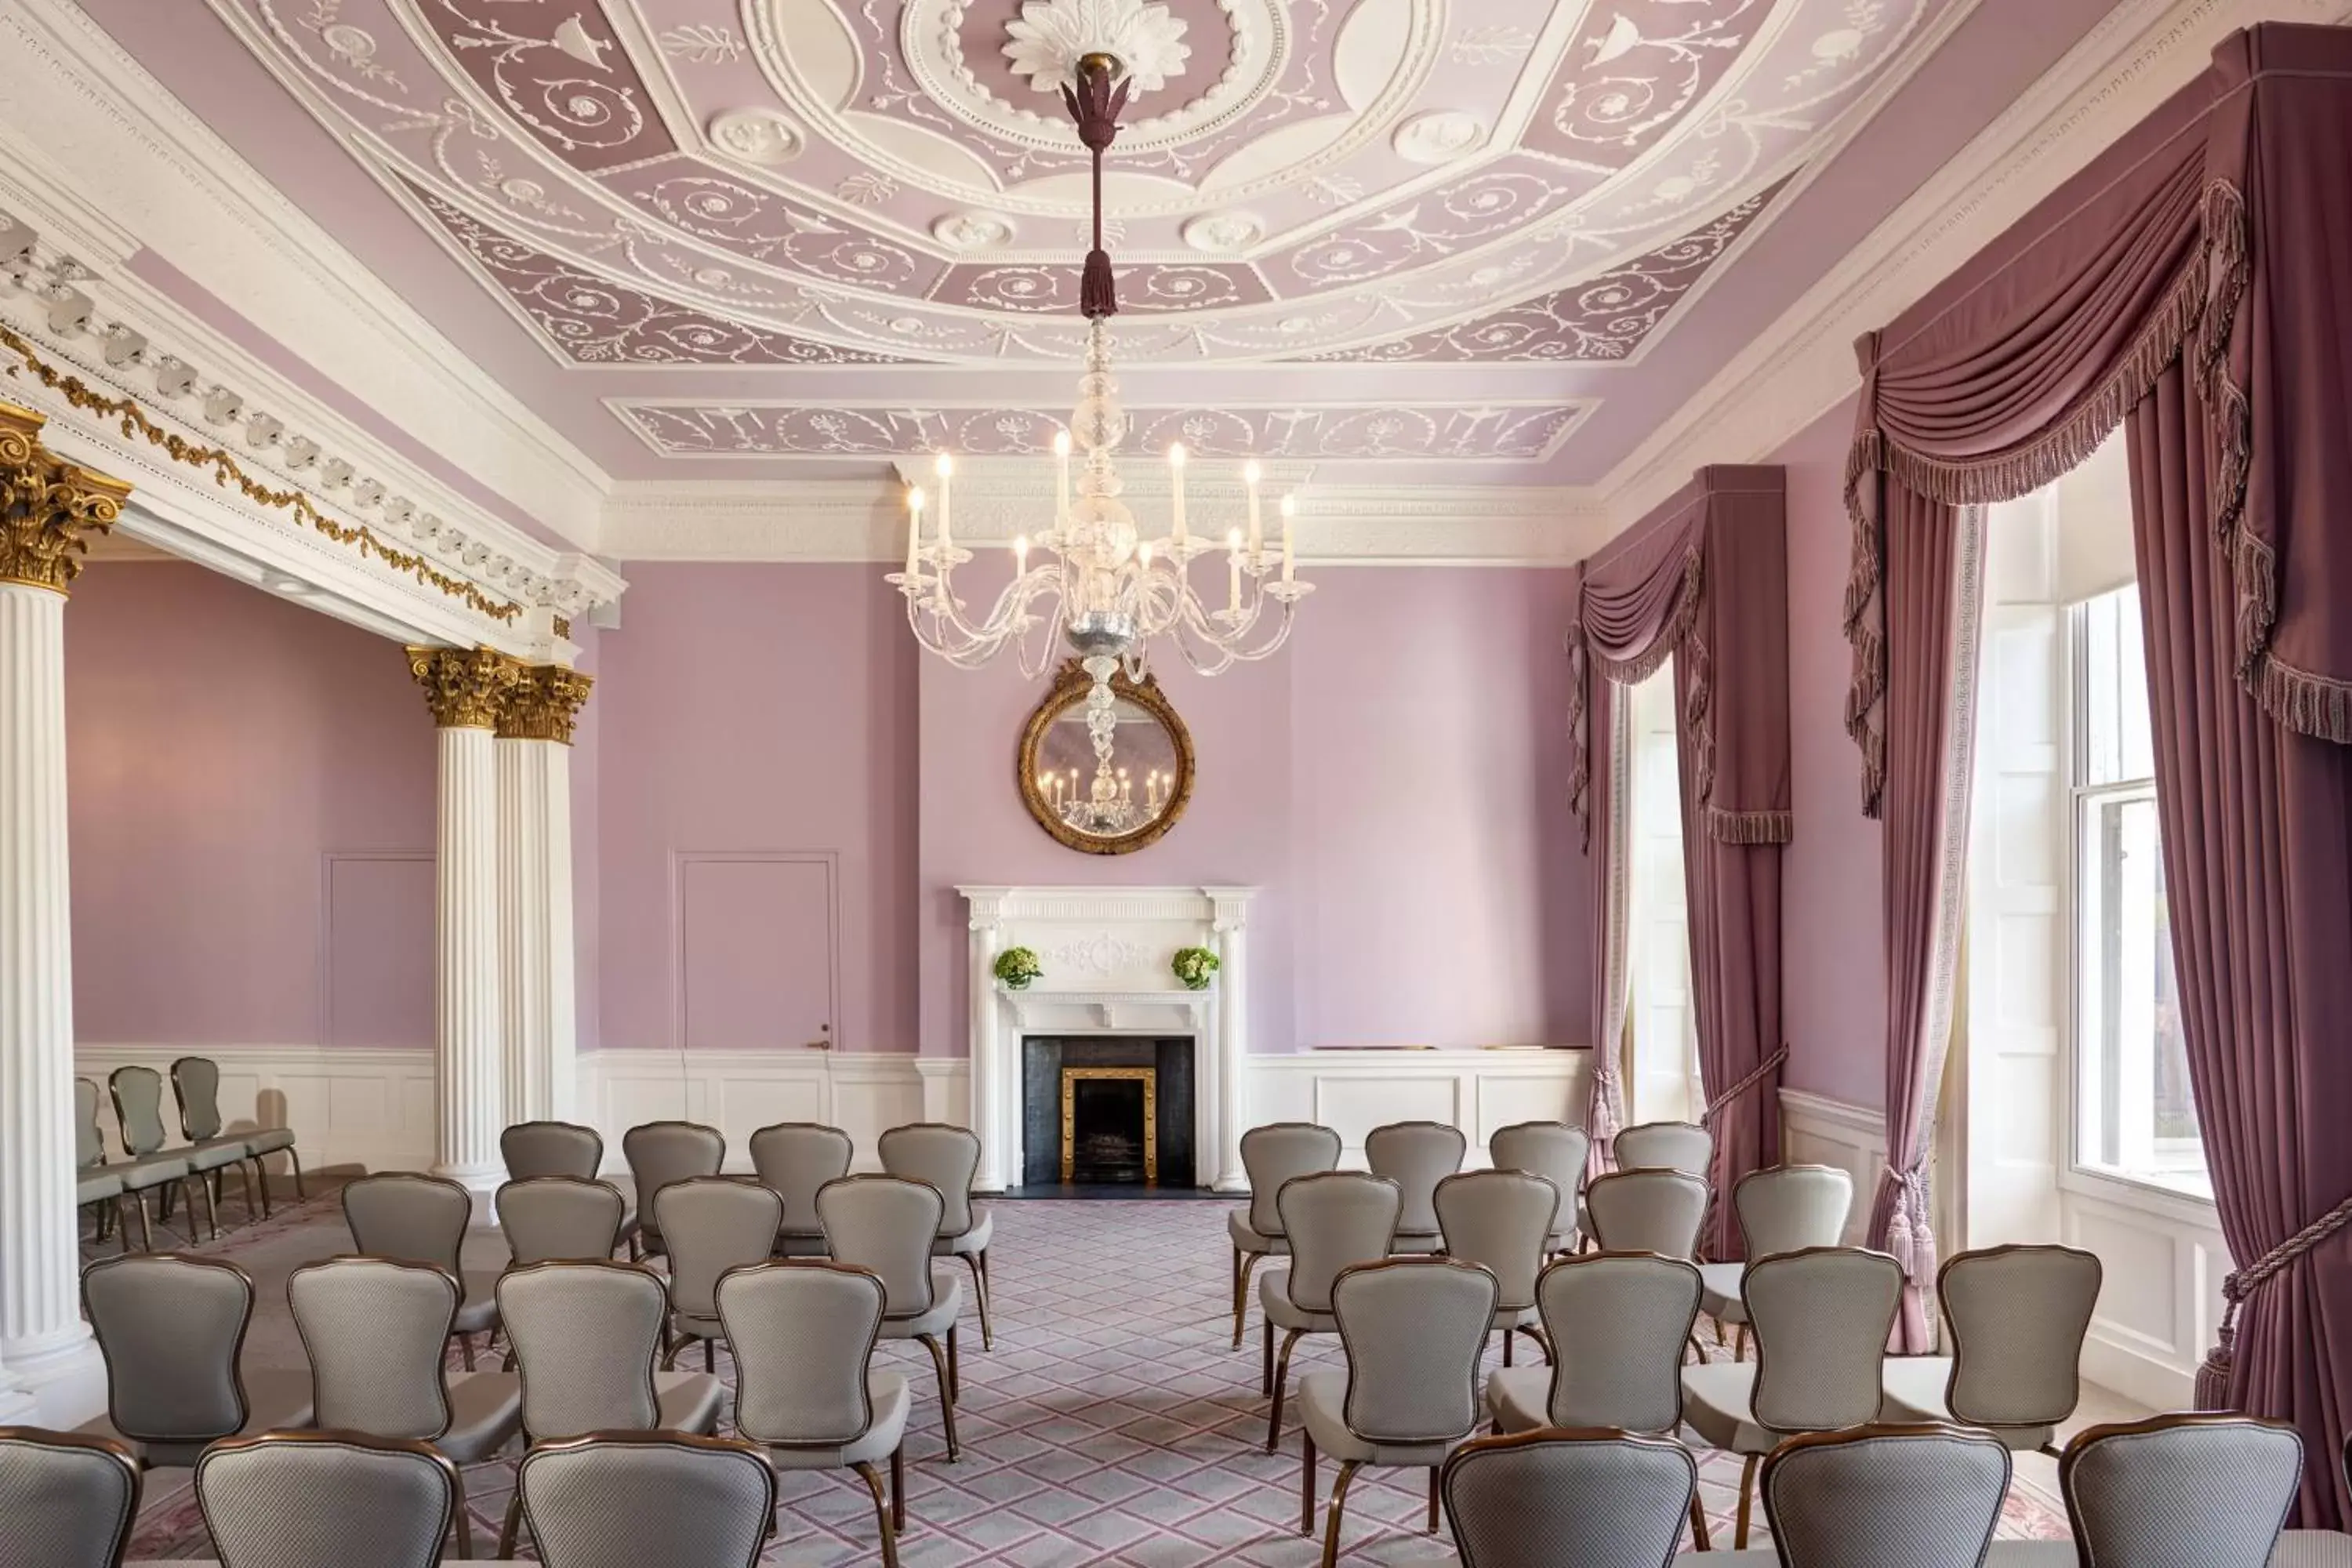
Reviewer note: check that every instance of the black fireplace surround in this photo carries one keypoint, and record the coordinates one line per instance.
(1043, 1057)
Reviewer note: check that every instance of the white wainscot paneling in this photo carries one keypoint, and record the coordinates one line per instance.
(348, 1107)
(2161, 1301)
(739, 1092)
(1354, 1092)
(1815, 1130)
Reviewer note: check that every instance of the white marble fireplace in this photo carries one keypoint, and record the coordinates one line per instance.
(1106, 952)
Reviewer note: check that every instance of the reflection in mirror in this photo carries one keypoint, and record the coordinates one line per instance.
(1106, 766)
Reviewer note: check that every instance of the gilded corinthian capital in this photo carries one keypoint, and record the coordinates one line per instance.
(465, 687)
(544, 704)
(46, 506)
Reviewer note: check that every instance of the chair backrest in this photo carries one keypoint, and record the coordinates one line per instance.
(69, 1499)
(170, 1329)
(1417, 1156)
(413, 1217)
(1786, 1208)
(584, 1336)
(1335, 1220)
(2018, 1316)
(1665, 1146)
(1501, 1219)
(282, 1499)
(138, 1108)
(89, 1147)
(1588, 1497)
(803, 1334)
(887, 1225)
(1653, 1209)
(2180, 1492)
(1926, 1496)
(375, 1330)
(941, 1155)
(1821, 1317)
(1277, 1152)
(1414, 1330)
(793, 1159)
(623, 1500)
(546, 1217)
(195, 1084)
(1555, 1151)
(660, 1152)
(711, 1224)
(551, 1149)
(1617, 1322)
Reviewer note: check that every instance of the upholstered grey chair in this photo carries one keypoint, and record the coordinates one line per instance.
(1335, 1220)
(69, 1500)
(423, 1219)
(1648, 1210)
(375, 1330)
(1502, 1220)
(1590, 1497)
(1555, 1151)
(283, 1498)
(195, 1085)
(793, 1159)
(1417, 1156)
(946, 1157)
(1821, 1318)
(138, 1096)
(2018, 1316)
(1924, 1496)
(137, 1177)
(534, 1149)
(1780, 1208)
(2180, 1492)
(1272, 1155)
(1660, 1146)
(584, 1336)
(803, 1334)
(888, 1226)
(170, 1329)
(1413, 1330)
(660, 1152)
(623, 1500)
(709, 1224)
(548, 1218)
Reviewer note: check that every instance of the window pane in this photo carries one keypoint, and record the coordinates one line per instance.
(2113, 721)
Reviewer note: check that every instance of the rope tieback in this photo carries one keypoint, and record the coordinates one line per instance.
(1764, 1069)
(2213, 1377)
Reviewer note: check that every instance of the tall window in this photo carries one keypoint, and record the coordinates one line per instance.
(1664, 1017)
(2134, 1116)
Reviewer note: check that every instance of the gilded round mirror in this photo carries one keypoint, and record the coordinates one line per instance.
(1106, 766)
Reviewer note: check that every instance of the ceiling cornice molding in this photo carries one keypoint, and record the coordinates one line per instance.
(137, 150)
(1803, 364)
(856, 520)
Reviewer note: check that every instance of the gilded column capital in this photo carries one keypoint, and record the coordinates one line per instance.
(465, 687)
(544, 704)
(48, 506)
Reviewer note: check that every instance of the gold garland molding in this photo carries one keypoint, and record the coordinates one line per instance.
(48, 506)
(134, 421)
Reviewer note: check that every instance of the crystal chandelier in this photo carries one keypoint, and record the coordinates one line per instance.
(1099, 588)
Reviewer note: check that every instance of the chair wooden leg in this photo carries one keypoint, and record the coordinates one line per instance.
(146, 1228)
(466, 1350)
(955, 1368)
(1746, 1490)
(1266, 1372)
(947, 1401)
(465, 1526)
(1699, 1349)
(710, 1356)
(1245, 1265)
(1338, 1505)
(1432, 1499)
(1741, 1353)
(881, 1513)
(978, 1263)
(899, 1489)
(1281, 1377)
(507, 1531)
(1306, 1486)
(1507, 1337)
(1699, 1541)
(296, 1161)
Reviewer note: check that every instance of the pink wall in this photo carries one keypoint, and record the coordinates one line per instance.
(251, 818)
(1833, 979)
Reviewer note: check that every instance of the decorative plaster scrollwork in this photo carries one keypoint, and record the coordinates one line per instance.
(1050, 37)
(1103, 954)
(465, 687)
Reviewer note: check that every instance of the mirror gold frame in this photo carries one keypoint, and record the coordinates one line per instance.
(1069, 690)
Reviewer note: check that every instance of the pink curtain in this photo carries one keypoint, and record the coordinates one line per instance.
(1704, 580)
(2191, 281)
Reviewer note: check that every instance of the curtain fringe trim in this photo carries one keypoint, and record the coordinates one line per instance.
(1582, 659)
(1750, 826)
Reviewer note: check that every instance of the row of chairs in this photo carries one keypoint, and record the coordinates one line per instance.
(152, 1165)
(2211, 1490)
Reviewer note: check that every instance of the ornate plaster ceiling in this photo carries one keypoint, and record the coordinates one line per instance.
(841, 229)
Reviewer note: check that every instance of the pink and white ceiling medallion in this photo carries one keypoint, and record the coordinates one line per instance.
(1050, 37)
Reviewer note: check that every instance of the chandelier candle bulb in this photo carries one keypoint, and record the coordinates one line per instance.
(1020, 555)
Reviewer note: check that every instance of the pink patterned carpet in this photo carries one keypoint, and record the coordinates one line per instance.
(1110, 1426)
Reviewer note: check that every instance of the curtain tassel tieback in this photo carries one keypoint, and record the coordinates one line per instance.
(2213, 1377)
(1764, 1069)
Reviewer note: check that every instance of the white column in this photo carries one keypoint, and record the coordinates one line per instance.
(1231, 927)
(464, 688)
(988, 1104)
(53, 1373)
(535, 942)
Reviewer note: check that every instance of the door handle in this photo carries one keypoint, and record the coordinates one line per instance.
(824, 1041)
